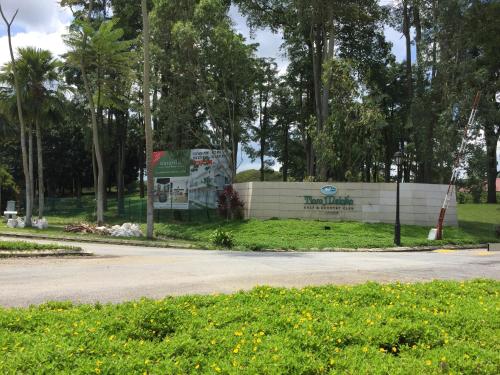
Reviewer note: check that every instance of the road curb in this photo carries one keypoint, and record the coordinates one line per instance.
(42, 254)
(97, 240)
(188, 247)
(378, 249)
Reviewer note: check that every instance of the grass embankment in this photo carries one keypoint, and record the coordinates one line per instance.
(8, 246)
(438, 327)
(479, 220)
(307, 234)
(477, 225)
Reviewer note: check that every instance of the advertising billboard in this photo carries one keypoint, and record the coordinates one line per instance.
(189, 179)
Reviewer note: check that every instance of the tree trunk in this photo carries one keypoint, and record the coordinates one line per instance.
(22, 128)
(409, 74)
(491, 152)
(147, 120)
(263, 138)
(41, 189)
(97, 149)
(95, 134)
(141, 172)
(94, 171)
(120, 164)
(30, 162)
(285, 153)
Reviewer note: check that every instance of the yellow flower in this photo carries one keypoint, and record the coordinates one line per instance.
(443, 359)
(238, 333)
(197, 366)
(97, 370)
(382, 350)
(236, 350)
(365, 349)
(428, 362)
(394, 349)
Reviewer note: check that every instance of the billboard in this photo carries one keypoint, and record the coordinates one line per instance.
(189, 179)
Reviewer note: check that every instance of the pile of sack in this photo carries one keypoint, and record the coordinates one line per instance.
(35, 223)
(16, 223)
(126, 230)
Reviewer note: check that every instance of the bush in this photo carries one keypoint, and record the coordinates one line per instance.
(220, 237)
(229, 204)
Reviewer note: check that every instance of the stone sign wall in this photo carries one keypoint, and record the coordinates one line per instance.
(366, 202)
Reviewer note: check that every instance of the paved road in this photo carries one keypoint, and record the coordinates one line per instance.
(119, 273)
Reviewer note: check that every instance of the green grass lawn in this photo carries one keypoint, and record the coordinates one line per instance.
(477, 225)
(30, 246)
(431, 328)
(479, 219)
(308, 234)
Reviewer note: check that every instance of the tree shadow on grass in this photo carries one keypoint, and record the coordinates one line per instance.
(483, 231)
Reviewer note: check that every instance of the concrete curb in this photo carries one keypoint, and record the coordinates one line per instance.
(97, 240)
(188, 247)
(40, 254)
(379, 250)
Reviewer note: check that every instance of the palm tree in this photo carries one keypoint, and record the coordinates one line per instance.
(38, 73)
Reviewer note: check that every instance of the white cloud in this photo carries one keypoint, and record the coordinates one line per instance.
(43, 16)
(50, 41)
(39, 23)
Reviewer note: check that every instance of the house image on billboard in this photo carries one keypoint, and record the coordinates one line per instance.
(209, 174)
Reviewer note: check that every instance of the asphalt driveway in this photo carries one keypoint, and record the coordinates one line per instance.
(119, 273)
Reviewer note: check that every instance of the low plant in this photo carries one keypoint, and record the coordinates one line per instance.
(425, 328)
(222, 238)
(229, 205)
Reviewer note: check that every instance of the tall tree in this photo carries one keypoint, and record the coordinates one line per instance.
(38, 74)
(261, 130)
(100, 54)
(148, 131)
(22, 128)
(323, 31)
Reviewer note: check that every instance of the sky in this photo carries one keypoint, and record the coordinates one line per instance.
(41, 23)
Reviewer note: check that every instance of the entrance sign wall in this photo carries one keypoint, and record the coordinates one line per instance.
(366, 202)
